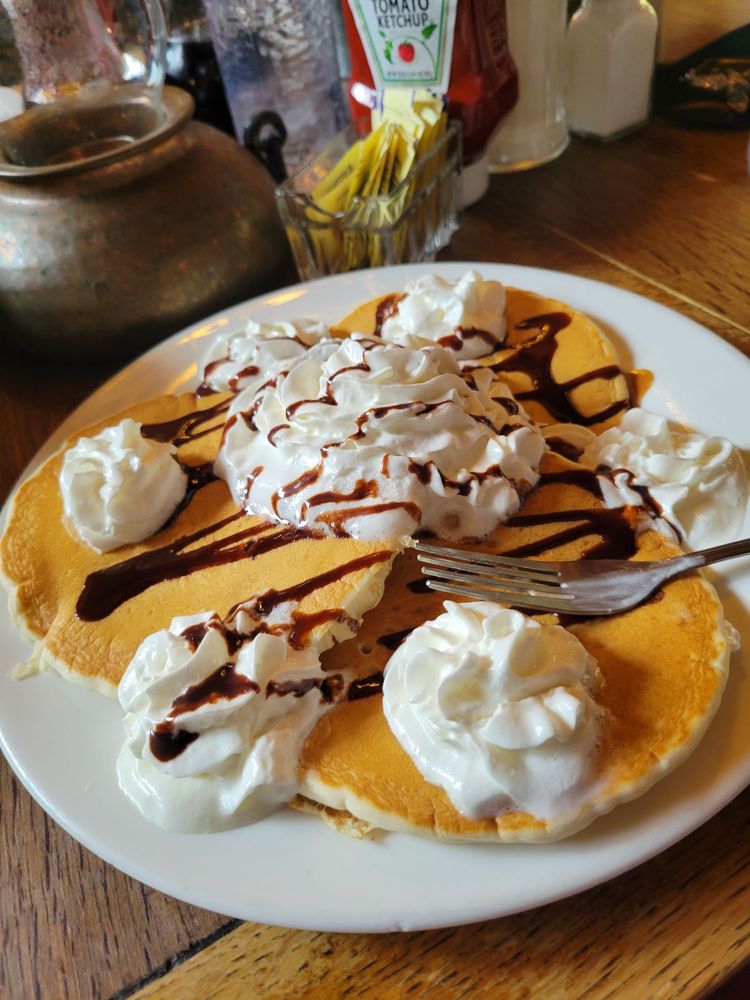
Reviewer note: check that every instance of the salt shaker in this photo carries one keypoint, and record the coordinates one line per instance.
(610, 62)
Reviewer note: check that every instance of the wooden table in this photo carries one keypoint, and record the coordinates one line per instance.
(665, 213)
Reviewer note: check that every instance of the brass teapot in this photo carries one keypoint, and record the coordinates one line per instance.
(122, 220)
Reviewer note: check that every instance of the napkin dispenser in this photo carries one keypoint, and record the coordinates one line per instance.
(123, 220)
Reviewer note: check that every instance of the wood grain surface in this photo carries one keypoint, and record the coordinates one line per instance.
(613, 941)
(665, 213)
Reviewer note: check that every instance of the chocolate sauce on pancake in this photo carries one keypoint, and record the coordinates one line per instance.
(565, 448)
(304, 623)
(615, 527)
(456, 340)
(271, 599)
(394, 639)
(106, 589)
(189, 427)
(534, 359)
(198, 477)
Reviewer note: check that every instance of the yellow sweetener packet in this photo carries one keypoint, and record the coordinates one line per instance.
(331, 196)
(374, 183)
(371, 168)
(377, 214)
(334, 195)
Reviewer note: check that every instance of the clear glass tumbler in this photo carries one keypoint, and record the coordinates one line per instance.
(535, 130)
(280, 55)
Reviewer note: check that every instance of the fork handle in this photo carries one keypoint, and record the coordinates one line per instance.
(705, 557)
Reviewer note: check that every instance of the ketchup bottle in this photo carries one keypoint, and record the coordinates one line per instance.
(483, 82)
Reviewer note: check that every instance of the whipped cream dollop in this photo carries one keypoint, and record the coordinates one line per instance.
(212, 735)
(466, 316)
(496, 709)
(698, 483)
(374, 440)
(119, 487)
(236, 361)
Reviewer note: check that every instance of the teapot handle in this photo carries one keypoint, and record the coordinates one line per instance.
(264, 137)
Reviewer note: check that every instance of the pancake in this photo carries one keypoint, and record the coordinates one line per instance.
(57, 582)
(664, 667)
(558, 363)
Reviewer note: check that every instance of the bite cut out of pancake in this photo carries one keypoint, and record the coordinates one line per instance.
(557, 361)
(664, 666)
(88, 611)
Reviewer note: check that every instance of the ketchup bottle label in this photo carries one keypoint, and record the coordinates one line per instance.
(408, 43)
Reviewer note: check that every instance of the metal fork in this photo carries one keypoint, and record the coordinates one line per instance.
(580, 587)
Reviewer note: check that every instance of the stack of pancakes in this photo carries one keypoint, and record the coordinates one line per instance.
(664, 664)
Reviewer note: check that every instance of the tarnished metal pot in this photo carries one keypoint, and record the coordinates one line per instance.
(121, 221)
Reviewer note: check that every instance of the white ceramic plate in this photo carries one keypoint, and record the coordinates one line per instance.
(293, 870)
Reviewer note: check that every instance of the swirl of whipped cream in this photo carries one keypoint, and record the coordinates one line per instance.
(699, 483)
(236, 361)
(372, 439)
(466, 316)
(118, 487)
(497, 710)
(208, 742)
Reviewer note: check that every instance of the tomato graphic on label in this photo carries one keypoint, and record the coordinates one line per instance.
(407, 48)
(406, 52)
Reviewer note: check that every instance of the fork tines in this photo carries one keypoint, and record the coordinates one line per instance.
(489, 577)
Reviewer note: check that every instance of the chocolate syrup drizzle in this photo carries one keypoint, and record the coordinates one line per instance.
(336, 519)
(615, 528)
(224, 683)
(565, 448)
(333, 688)
(425, 470)
(327, 398)
(386, 308)
(266, 602)
(189, 427)
(456, 340)
(107, 589)
(296, 486)
(204, 389)
(198, 477)
(534, 359)
(166, 741)
(392, 640)
(363, 489)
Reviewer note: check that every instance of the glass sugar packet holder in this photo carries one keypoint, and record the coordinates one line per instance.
(410, 223)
